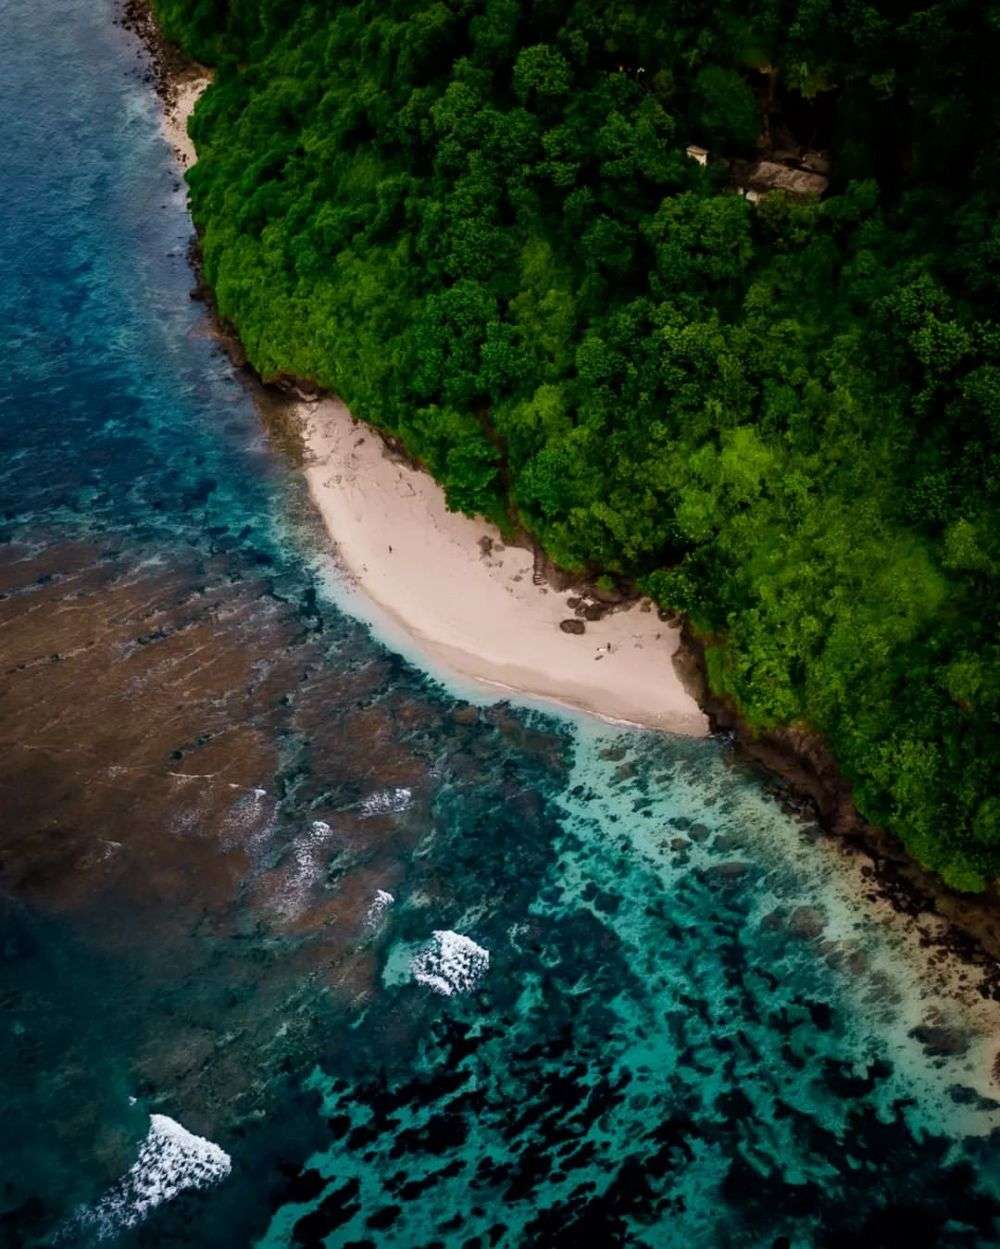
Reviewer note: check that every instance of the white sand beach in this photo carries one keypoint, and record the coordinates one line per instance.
(176, 113)
(474, 608)
(470, 601)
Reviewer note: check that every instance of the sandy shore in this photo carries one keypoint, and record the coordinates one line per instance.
(477, 611)
(176, 113)
(470, 601)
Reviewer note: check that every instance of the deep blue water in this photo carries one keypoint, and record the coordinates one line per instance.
(689, 1032)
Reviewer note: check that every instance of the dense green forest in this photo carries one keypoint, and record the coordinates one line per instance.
(475, 220)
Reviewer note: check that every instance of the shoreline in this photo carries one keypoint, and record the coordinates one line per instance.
(466, 599)
(956, 939)
(474, 603)
(177, 111)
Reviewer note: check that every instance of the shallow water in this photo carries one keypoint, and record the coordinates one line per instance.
(687, 1029)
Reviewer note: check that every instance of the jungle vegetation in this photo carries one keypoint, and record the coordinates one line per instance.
(475, 220)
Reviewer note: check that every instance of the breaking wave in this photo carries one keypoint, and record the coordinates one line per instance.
(380, 904)
(387, 801)
(450, 963)
(171, 1160)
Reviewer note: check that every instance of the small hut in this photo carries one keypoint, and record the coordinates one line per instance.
(700, 154)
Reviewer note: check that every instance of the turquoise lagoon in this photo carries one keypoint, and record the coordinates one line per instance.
(305, 946)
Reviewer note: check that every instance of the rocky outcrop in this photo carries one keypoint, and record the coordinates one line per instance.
(804, 775)
(770, 175)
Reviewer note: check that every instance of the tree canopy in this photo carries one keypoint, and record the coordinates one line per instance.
(475, 220)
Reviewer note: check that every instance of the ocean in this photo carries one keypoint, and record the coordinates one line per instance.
(304, 945)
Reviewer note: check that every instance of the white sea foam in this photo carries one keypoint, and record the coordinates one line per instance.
(249, 822)
(387, 801)
(450, 963)
(380, 904)
(171, 1160)
(306, 864)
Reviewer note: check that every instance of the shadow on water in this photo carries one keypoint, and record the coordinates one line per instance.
(212, 780)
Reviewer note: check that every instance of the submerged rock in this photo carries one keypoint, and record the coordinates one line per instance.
(807, 922)
(572, 626)
(727, 871)
(940, 1040)
(963, 1095)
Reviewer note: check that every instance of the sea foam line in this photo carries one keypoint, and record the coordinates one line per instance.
(450, 963)
(171, 1160)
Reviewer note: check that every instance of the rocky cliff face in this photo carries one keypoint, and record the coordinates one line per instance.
(805, 775)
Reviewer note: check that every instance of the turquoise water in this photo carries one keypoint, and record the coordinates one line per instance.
(671, 1023)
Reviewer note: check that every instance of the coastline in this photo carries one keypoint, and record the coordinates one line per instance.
(473, 603)
(956, 939)
(178, 109)
(467, 600)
